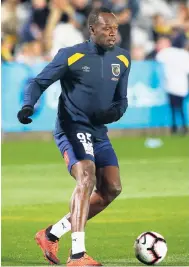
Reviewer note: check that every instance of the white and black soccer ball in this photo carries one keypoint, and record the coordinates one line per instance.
(150, 248)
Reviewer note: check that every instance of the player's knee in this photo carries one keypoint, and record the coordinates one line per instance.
(116, 190)
(113, 192)
(87, 178)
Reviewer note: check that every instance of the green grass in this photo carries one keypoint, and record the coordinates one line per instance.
(36, 189)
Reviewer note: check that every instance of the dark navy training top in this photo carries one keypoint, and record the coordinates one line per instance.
(92, 79)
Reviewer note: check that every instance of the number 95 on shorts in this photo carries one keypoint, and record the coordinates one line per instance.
(75, 147)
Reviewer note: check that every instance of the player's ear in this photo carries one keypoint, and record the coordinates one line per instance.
(91, 29)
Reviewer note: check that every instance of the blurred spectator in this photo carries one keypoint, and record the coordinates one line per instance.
(65, 34)
(9, 18)
(13, 16)
(25, 54)
(123, 13)
(140, 37)
(180, 27)
(160, 27)
(159, 45)
(7, 46)
(182, 15)
(61, 23)
(33, 29)
(79, 4)
(178, 37)
(176, 66)
(137, 53)
(149, 8)
(30, 53)
(62, 12)
(134, 6)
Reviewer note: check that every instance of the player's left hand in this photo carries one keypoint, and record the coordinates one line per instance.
(101, 117)
(24, 114)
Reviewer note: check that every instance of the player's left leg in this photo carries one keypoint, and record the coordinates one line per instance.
(173, 113)
(108, 189)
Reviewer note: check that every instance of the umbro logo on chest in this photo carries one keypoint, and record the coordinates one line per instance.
(86, 69)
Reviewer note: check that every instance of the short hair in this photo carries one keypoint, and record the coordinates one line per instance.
(94, 15)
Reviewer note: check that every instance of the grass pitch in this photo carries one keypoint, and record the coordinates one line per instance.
(36, 189)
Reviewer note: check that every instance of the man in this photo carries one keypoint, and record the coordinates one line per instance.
(93, 77)
(176, 67)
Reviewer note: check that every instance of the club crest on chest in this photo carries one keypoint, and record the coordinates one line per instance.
(116, 69)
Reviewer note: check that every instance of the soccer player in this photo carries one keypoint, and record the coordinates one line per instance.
(93, 77)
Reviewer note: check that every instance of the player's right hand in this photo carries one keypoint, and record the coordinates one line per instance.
(24, 114)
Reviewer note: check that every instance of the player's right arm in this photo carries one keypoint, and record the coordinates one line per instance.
(50, 74)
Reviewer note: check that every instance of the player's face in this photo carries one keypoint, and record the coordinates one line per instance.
(105, 30)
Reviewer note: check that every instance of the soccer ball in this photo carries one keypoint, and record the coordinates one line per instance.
(150, 248)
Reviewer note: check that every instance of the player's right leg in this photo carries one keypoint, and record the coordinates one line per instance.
(82, 168)
(48, 247)
(84, 173)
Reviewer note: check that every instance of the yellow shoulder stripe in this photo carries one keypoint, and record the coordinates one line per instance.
(75, 57)
(124, 60)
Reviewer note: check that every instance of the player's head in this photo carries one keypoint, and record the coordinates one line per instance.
(103, 27)
(162, 43)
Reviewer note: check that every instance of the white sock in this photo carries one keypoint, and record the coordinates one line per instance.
(78, 242)
(60, 228)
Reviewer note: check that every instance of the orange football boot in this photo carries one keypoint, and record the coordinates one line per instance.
(49, 248)
(83, 261)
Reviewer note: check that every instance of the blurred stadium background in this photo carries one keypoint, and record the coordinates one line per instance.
(33, 32)
(154, 160)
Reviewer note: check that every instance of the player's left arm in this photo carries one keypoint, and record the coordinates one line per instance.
(120, 102)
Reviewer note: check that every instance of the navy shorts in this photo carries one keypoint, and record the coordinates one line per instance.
(82, 146)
